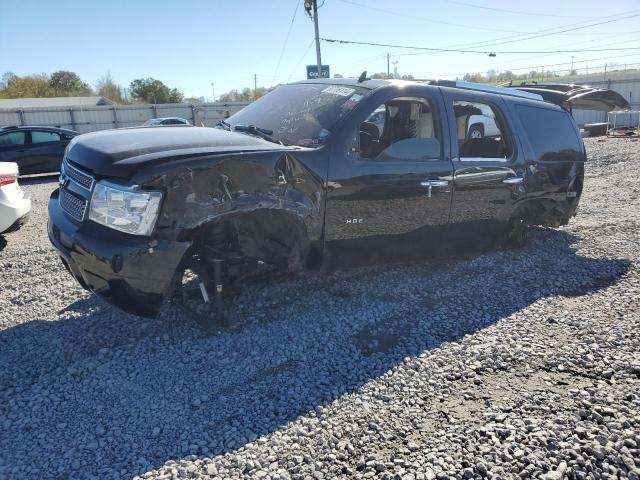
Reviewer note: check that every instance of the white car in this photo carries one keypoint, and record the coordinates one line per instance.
(480, 126)
(14, 207)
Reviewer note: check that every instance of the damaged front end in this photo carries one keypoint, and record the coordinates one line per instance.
(245, 217)
(223, 216)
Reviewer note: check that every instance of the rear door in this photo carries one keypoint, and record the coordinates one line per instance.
(45, 152)
(489, 169)
(389, 181)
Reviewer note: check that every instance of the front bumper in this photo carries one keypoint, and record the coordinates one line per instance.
(128, 271)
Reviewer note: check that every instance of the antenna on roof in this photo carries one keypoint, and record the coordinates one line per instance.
(362, 77)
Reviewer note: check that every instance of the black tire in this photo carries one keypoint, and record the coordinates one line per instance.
(476, 131)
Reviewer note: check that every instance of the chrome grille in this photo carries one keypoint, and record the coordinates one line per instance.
(78, 176)
(72, 205)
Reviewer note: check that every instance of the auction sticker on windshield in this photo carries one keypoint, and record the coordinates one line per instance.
(342, 91)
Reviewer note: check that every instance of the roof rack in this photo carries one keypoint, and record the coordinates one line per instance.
(486, 88)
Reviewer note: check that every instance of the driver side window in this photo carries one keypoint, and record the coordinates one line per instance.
(401, 129)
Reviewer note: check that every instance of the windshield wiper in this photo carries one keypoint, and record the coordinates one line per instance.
(223, 124)
(258, 132)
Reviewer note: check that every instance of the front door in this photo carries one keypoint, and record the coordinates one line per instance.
(389, 189)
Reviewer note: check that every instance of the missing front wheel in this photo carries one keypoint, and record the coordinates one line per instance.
(199, 293)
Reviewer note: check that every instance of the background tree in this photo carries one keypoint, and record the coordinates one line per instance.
(14, 86)
(67, 84)
(246, 95)
(150, 90)
(108, 88)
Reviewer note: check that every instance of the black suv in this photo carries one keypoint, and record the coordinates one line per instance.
(302, 178)
(35, 149)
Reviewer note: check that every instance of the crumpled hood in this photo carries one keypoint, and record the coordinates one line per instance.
(119, 153)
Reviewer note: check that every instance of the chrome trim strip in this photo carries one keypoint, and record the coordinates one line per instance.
(483, 159)
(66, 193)
(68, 167)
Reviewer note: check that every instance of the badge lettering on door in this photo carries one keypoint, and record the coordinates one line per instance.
(354, 220)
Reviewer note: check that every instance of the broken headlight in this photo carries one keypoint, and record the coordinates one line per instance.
(125, 208)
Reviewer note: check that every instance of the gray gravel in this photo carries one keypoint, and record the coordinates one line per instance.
(512, 364)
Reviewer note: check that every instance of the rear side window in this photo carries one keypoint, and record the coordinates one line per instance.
(43, 137)
(11, 139)
(480, 131)
(549, 131)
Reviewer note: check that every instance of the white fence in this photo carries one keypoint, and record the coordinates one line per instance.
(89, 119)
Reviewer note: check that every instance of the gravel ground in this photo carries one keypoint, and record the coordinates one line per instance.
(511, 364)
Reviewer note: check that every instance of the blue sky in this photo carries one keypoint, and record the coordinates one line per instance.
(191, 43)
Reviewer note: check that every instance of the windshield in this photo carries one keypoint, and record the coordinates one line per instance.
(300, 114)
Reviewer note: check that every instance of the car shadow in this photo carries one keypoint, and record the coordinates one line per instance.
(109, 392)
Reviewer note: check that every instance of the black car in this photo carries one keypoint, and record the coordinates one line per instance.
(302, 178)
(35, 149)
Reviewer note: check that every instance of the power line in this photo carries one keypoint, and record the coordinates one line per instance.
(549, 32)
(485, 52)
(424, 19)
(518, 12)
(301, 59)
(286, 40)
(472, 27)
(532, 67)
(510, 38)
(400, 53)
(498, 67)
(545, 32)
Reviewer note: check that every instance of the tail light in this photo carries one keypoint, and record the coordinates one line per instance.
(8, 178)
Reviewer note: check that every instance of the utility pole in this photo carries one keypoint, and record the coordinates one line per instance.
(395, 68)
(571, 65)
(213, 92)
(311, 7)
(255, 86)
(315, 24)
(388, 71)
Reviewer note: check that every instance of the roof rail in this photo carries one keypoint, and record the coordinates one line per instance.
(486, 88)
(9, 127)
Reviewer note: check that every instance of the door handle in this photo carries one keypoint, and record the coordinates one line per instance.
(433, 183)
(513, 181)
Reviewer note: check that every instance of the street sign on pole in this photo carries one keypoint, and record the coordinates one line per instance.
(312, 71)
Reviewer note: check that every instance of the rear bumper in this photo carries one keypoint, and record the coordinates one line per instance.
(123, 269)
(13, 213)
